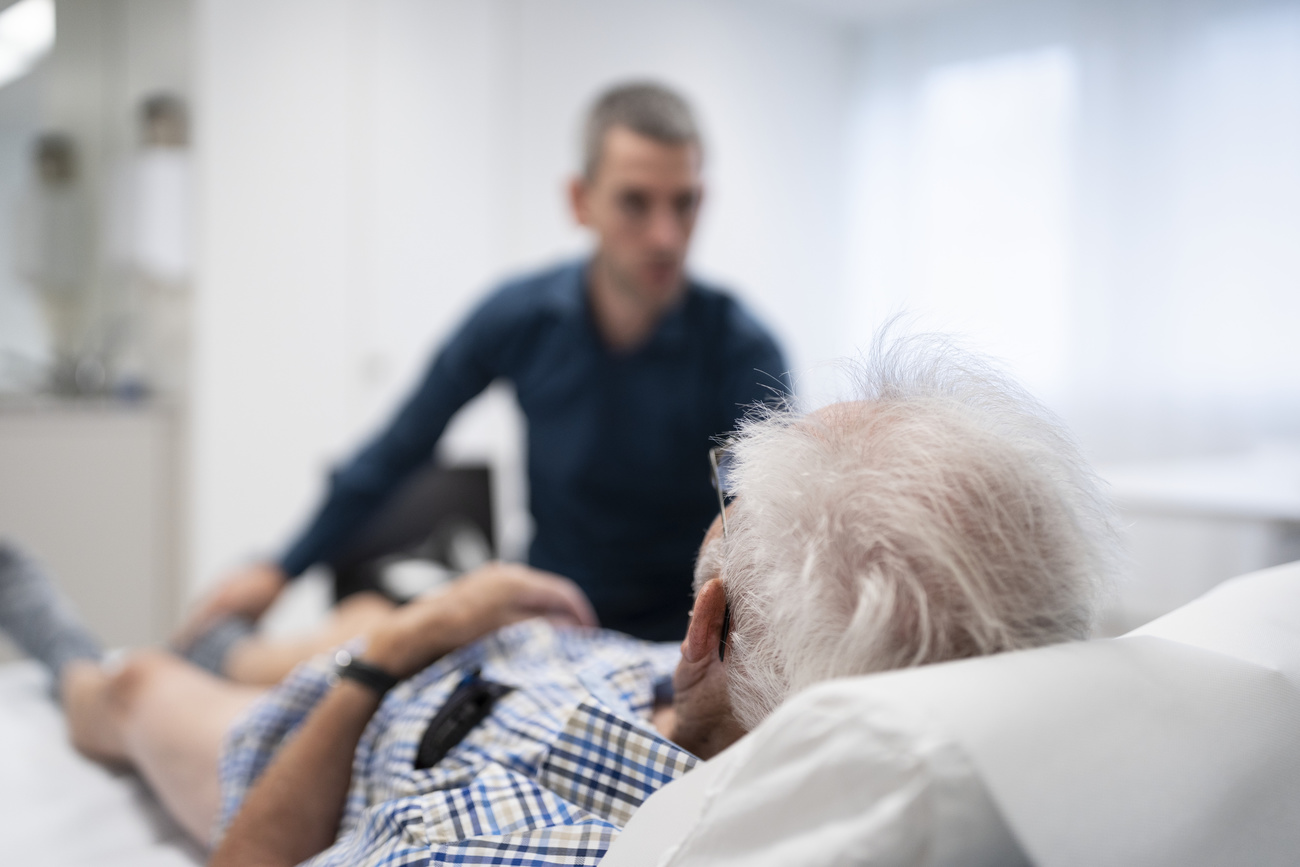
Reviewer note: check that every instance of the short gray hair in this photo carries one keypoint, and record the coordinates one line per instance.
(943, 514)
(644, 107)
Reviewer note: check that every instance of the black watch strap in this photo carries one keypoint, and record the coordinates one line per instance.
(346, 665)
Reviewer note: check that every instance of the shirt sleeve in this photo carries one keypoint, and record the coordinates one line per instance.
(465, 365)
(252, 741)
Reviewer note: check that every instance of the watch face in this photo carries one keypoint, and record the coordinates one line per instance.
(342, 659)
(346, 665)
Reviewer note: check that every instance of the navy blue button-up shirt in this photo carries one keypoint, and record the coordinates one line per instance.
(617, 441)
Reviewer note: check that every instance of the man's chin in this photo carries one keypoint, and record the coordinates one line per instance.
(662, 292)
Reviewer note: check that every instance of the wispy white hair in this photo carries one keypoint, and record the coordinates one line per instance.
(943, 513)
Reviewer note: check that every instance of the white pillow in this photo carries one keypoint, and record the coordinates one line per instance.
(833, 777)
(1175, 745)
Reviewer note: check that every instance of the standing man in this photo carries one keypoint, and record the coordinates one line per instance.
(625, 367)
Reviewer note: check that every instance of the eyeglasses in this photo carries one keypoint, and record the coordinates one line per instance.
(720, 465)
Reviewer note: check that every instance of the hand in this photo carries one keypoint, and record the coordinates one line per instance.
(247, 592)
(481, 602)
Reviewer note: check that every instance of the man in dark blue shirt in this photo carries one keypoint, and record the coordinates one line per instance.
(625, 368)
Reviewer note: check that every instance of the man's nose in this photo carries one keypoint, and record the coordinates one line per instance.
(666, 229)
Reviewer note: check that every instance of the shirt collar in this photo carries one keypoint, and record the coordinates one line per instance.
(669, 334)
(608, 766)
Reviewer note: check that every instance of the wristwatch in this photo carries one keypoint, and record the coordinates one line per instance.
(346, 665)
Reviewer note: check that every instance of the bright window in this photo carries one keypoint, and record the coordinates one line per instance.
(989, 247)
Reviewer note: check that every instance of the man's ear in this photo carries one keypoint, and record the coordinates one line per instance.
(578, 200)
(704, 634)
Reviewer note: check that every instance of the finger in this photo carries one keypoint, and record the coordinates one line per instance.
(563, 618)
(552, 595)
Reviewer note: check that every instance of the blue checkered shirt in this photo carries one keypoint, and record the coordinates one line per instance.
(549, 777)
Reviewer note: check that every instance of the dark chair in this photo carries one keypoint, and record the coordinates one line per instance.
(430, 517)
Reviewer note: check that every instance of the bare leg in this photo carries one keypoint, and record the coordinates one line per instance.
(263, 661)
(163, 716)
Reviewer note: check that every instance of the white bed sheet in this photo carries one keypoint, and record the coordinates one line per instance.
(58, 809)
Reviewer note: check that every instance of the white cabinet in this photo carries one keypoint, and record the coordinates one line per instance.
(91, 489)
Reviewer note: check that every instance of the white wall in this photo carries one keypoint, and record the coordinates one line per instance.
(368, 169)
(270, 340)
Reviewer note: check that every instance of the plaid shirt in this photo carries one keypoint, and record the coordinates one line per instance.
(550, 777)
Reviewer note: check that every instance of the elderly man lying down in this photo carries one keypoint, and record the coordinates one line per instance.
(939, 515)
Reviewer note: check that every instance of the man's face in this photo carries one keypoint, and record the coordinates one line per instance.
(642, 205)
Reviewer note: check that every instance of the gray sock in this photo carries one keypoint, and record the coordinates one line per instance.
(37, 617)
(209, 650)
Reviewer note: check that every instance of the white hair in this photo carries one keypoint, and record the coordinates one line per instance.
(944, 513)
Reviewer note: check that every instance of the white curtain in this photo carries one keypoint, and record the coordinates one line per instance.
(1106, 194)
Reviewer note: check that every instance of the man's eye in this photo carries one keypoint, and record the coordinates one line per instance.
(684, 204)
(634, 204)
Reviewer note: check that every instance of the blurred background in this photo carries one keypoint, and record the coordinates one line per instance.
(232, 231)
